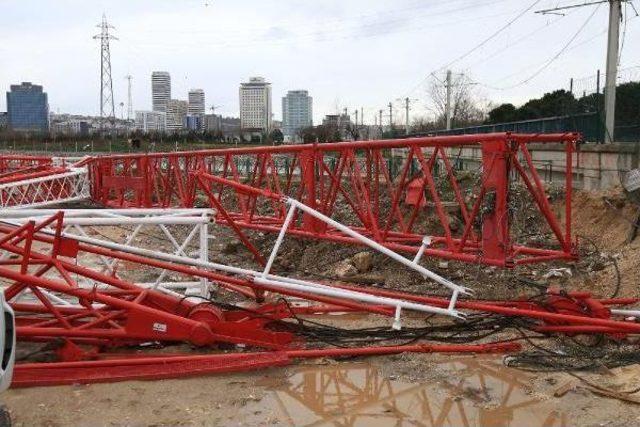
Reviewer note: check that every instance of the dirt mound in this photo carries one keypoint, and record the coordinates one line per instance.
(604, 217)
(603, 222)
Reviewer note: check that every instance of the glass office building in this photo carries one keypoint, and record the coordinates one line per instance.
(297, 112)
(27, 108)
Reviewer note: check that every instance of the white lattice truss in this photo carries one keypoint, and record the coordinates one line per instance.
(180, 232)
(64, 187)
(124, 232)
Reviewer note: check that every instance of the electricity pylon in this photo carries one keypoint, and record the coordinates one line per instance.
(107, 104)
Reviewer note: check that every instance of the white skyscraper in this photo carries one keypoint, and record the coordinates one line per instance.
(297, 112)
(196, 102)
(196, 109)
(255, 104)
(160, 90)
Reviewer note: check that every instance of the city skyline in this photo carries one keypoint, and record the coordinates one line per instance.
(390, 51)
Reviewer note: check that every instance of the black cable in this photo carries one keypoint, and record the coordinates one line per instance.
(611, 259)
(474, 328)
(553, 58)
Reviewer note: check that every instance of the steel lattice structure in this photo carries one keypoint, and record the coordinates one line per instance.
(347, 193)
(50, 186)
(356, 183)
(107, 103)
(183, 232)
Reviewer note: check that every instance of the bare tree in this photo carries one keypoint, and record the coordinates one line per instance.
(320, 133)
(467, 107)
(423, 125)
(352, 130)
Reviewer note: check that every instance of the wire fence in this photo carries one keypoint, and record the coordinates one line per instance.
(590, 125)
(90, 147)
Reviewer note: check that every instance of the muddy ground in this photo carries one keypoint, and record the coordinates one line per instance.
(404, 390)
(381, 391)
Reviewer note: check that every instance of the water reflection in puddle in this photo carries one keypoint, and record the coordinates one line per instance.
(479, 392)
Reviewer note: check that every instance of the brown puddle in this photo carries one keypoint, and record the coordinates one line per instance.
(475, 392)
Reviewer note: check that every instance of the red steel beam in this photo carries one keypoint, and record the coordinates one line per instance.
(163, 367)
(354, 177)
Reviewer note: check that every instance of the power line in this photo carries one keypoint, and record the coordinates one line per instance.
(624, 30)
(491, 37)
(519, 71)
(514, 43)
(556, 56)
(555, 10)
(342, 33)
(479, 45)
(354, 21)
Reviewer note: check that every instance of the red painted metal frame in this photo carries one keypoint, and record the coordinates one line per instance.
(114, 311)
(162, 367)
(572, 311)
(10, 163)
(353, 182)
(20, 168)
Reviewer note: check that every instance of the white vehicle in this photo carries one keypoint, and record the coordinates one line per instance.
(7, 343)
(8, 355)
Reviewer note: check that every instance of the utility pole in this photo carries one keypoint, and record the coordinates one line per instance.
(380, 121)
(571, 85)
(218, 121)
(129, 99)
(449, 87)
(107, 104)
(406, 107)
(611, 73)
(615, 12)
(390, 114)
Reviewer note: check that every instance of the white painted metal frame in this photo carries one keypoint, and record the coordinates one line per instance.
(330, 291)
(285, 283)
(192, 222)
(49, 190)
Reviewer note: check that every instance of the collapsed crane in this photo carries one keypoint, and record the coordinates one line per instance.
(68, 291)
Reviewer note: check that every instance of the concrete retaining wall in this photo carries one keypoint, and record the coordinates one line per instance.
(596, 166)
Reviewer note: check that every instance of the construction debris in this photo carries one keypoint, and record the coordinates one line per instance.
(75, 299)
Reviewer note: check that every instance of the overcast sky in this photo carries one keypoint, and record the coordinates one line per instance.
(347, 53)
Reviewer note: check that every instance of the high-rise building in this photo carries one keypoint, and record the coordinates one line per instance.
(4, 120)
(212, 122)
(196, 109)
(194, 122)
(176, 114)
(27, 108)
(255, 105)
(151, 121)
(160, 90)
(196, 102)
(297, 112)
